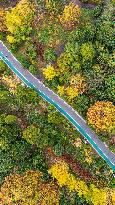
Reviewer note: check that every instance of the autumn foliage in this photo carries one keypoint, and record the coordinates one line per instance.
(70, 15)
(49, 72)
(2, 20)
(101, 116)
(18, 21)
(60, 171)
(28, 189)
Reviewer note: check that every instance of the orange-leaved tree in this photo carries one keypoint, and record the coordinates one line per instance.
(102, 116)
(28, 189)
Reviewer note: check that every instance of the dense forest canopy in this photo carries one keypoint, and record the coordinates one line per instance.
(69, 46)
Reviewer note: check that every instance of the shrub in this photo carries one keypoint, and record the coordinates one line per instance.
(31, 50)
(81, 104)
(51, 34)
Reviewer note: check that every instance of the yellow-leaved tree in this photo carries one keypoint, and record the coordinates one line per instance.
(49, 72)
(102, 116)
(102, 196)
(70, 16)
(18, 21)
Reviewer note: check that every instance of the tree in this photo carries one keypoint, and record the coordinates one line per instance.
(95, 79)
(93, 1)
(6, 164)
(49, 72)
(18, 21)
(26, 95)
(87, 51)
(105, 33)
(9, 131)
(49, 55)
(3, 67)
(101, 116)
(28, 189)
(54, 6)
(70, 15)
(31, 134)
(2, 20)
(81, 104)
(110, 86)
(98, 196)
(78, 82)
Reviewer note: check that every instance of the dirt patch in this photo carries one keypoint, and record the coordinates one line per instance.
(74, 165)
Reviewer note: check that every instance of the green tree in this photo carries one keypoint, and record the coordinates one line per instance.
(3, 67)
(10, 119)
(26, 95)
(9, 131)
(33, 70)
(110, 86)
(23, 60)
(6, 164)
(49, 55)
(87, 51)
(81, 104)
(31, 134)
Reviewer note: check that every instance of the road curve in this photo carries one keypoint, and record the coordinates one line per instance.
(59, 104)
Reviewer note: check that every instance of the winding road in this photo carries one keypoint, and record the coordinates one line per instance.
(59, 104)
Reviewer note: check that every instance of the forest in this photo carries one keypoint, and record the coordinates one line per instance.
(69, 46)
